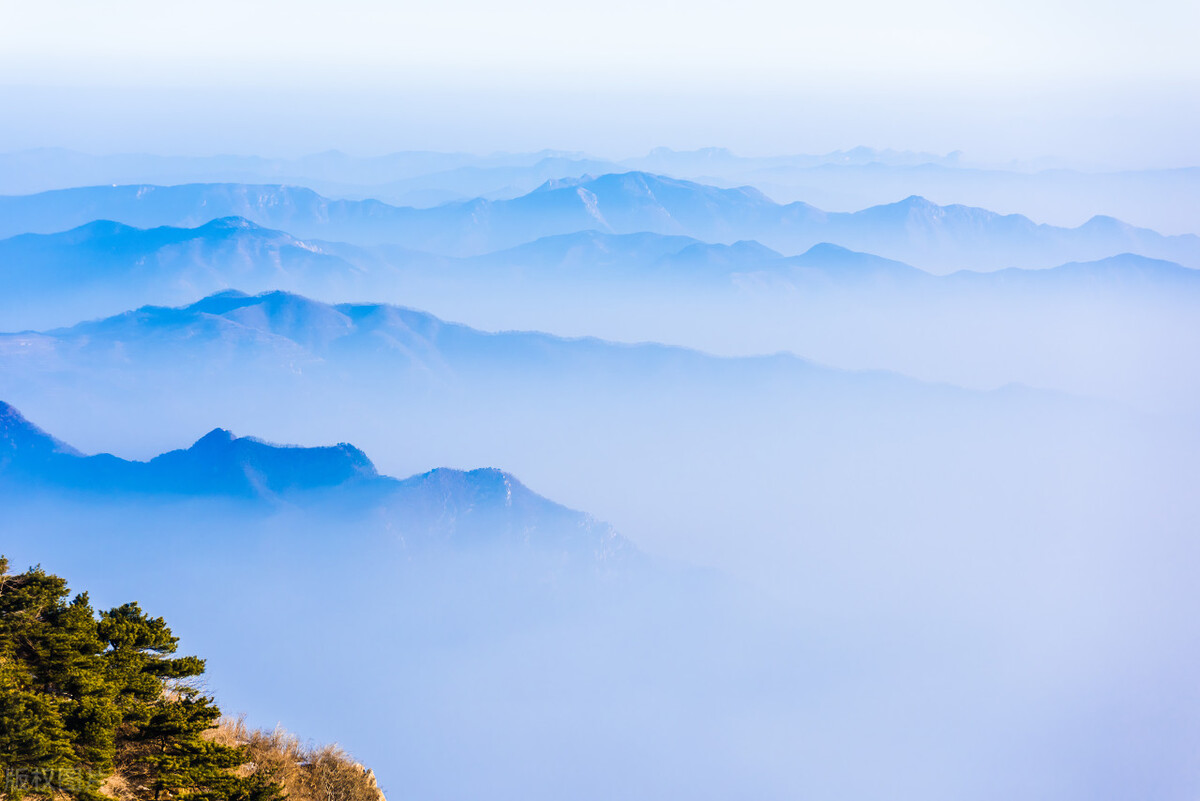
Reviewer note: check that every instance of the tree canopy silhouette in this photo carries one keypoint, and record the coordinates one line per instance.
(86, 697)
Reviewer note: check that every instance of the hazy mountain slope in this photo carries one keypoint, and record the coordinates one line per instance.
(588, 251)
(1161, 199)
(407, 618)
(914, 230)
(300, 211)
(297, 333)
(24, 446)
(442, 506)
(936, 557)
(103, 251)
(1110, 328)
(1124, 273)
(494, 182)
(1119, 327)
(217, 464)
(43, 169)
(111, 261)
(105, 267)
(396, 177)
(419, 390)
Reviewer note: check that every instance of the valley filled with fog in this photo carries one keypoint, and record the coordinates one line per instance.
(688, 475)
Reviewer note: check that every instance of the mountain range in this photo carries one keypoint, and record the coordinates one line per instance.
(563, 413)
(331, 172)
(935, 238)
(441, 506)
(406, 617)
(303, 336)
(101, 266)
(889, 520)
(396, 175)
(843, 180)
(1006, 563)
(104, 267)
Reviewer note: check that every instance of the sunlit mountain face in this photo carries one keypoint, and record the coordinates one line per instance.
(757, 403)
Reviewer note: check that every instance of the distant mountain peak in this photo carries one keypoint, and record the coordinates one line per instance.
(234, 298)
(216, 438)
(218, 463)
(918, 202)
(232, 223)
(227, 293)
(221, 302)
(96, 229)
(828, 249)
(443, 506)
(563, 183)
(1103, 222)
(740, 253)
(220, 459)
(847, 261)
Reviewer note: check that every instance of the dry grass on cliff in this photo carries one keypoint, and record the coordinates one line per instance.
(306, 772)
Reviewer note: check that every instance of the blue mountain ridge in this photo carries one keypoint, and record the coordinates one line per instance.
(280, 343)
(133, 266)
(913, 230)
(483, 504)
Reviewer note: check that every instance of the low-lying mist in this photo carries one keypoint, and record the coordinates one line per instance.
(1004, 661)
(928, 592)
(968, 577)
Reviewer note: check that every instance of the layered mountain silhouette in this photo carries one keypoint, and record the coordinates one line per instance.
(102, 266)
(1122, 272)
(303, 339)
(848, 179)
(105, 267)
(103, 252)
(421, 389)
(45, 168)
(442, 505)
(217, 464)
(914, 230)
(936, 559)
(412, 178)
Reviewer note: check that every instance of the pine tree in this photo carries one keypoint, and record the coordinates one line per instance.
(82, 697)
(49, 668)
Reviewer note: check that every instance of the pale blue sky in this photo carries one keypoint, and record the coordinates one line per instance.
(1105, 81)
